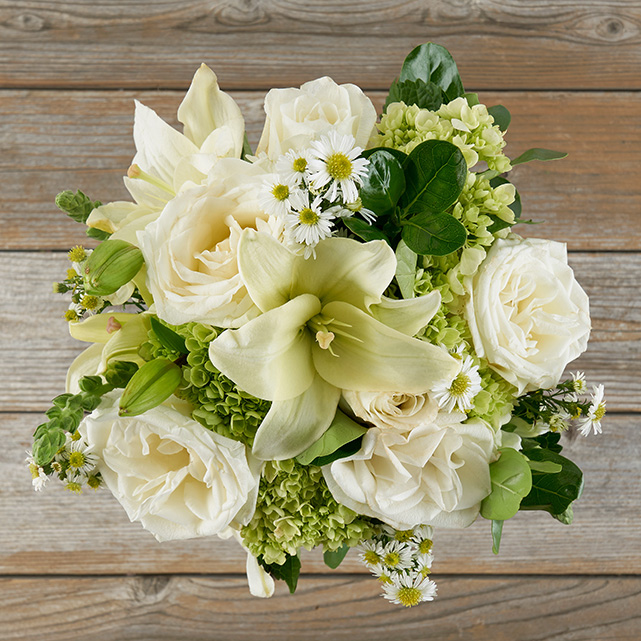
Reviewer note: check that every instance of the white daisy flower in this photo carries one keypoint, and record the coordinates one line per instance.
(578, 383)
(293, 166)
(335, 163)
(397, 556)
(278, 196)
(371, 553)
(347, 210)
(595, 414)
(423, 539)
(460, 393)
(80, 458)
(38, 477)
(308, 224)
(424, 565)
(560, 421)
(410, 590)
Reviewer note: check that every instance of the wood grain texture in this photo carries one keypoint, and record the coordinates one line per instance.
(54, 141)
(61, 533)
(264, 43)
(41, 345)
(346, 609)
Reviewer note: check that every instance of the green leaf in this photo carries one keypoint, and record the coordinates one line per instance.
(472, 99)
(546, 467)
(333, 558)
(169, 339)
(288, 571)
(425, 95)
(553, 493)
(97, 234)
(77, 206)
(538, 153)
(565, 517)
(406, 260)
(435, 176)
(433, 63)
(434, 234)
(119, 373)
(384, 182)
(546, 441)
(247, 150)
(342, 431)
(401, 156)
(497, 532)
(363, 230)
(511, 482)
(47, 444)
(501, 116)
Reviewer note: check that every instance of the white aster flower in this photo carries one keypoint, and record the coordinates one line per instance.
(293, 165)
(560, 421)
(80, 457)
(424, 565)
(38, 477)
(278, 196)
(335, 163)
(410, 590)
(347, 210)
(371, 553)
(397, 556)
(579, 386)
(460, 393)
(309, 224)
(595, 413)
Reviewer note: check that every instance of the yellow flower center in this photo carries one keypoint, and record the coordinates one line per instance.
(71, 315)
(300, 165)
(339, 166)
(371, 557)
(392, 559)
(409, 596)
(76, 459)
(280, 192)
(90, 302)
(404, 535)
(308, 216)
(35, 470)
(77, 254)
(93, 482)
(460, 385)
(72, 486)
(425, 546)
(600, 412)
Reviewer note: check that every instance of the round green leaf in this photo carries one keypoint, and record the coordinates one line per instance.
(384, 182)
(434, 234)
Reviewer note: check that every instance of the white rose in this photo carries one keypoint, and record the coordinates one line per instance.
(190, 250)
(177, 478)
(436, 474)
(392, 410)
(528, 315)
(297, 116)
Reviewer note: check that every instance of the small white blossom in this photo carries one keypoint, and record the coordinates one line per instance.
(293, 166)
(595, 414)
(460, 393)
(578, 383)
(371, 553)
(335, 164)
(278, 196)
(309, 224)
(397, 556)
(38, 477)
(410, 590)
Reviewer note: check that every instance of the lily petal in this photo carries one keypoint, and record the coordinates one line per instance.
(98, 328)
(347, 270)
(377, 358)
(270, 356)
(111, 216)
(206, 108)
(408, 315)
(87, 363)
(266, 267)
(291, 426)
(124, 344)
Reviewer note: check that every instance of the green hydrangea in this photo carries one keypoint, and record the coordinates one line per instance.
(295, 509)
(496, 399)
(471, 129)
(217, 403)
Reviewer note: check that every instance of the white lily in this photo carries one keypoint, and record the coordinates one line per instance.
(318, 334)
(167, 161)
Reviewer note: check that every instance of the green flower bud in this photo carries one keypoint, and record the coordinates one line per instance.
(76, 206)
(111, 265)
(152, 384)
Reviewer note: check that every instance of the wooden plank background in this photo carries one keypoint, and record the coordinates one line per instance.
(74, 567)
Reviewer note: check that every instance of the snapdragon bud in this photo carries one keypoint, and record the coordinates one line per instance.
(152, 384)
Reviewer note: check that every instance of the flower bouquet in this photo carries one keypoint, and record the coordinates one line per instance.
(336, 340)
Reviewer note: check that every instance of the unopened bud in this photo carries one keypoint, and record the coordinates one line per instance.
(113, 264)
(152, 384)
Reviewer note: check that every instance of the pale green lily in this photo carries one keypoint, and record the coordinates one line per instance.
(170, 161)
(324, 327)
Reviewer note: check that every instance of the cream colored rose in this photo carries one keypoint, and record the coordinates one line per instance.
(391, 410)
(177, 478)
(297, 116)
(190, 250)
(436, 474)
(528, 315)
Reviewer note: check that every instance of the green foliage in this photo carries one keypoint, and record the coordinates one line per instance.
(343, 431)
(501, 116)
(364, 230)
(384, 183)
(333, 558)
(169, 339)
(434, 234)
(287, 571)
(77, 206)
(97, 234)
(511, 482)
(497, 532)
(433, 63)
(425, 95)
(406, 261)
(537, 153)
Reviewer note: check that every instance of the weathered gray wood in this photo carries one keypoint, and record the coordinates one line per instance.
(345, 608)
(57, 532)
(37, 349)
(153, 43)
(55, 141)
